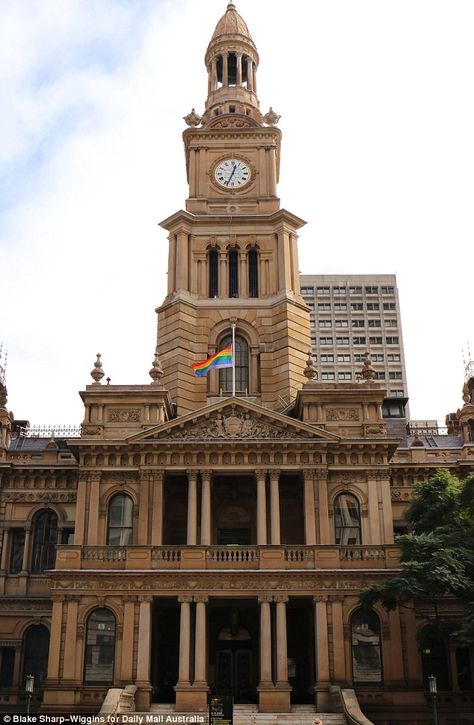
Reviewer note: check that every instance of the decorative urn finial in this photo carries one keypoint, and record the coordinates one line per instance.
(310, 371)
(368, 372)
(193, 118)
(156, 372)
(97, 373)
(466, 396)
(271, 118)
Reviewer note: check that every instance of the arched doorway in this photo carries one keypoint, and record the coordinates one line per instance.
(234, 652)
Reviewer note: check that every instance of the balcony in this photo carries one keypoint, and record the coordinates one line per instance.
(226, 557)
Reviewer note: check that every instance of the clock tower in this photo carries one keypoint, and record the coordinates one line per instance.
(233, 251)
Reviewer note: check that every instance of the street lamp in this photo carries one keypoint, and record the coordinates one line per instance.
(433, 692)
(29, 685)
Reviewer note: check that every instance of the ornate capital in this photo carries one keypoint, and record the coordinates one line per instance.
(265, 598)
(183, 599)
(320, 599)
(192, 475)
(281, 599)
(201, 598)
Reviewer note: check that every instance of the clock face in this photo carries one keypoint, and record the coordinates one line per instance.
(232, 173)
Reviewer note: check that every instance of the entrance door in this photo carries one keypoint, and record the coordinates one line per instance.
(234, 674)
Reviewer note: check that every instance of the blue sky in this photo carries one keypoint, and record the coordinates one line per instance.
(377, 116)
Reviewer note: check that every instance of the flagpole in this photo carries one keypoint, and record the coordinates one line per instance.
(233, 360)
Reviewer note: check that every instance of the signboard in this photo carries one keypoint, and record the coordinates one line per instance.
(221, 710)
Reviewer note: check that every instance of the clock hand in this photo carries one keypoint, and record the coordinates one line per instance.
(233, 172)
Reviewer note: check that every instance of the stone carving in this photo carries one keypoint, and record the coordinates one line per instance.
(375, 430)
(124, 415)
(235, 424)
(40, 497)
(345, 414)
(348, 477)
(271, 118)
(91, 430)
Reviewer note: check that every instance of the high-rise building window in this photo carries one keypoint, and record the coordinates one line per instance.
(347, 520)
(343, 358)
(341, 323)
(392, 341)
(357, 306)
(44, 541)
(389, 305)
(373, 306)
(375, 340)
(328, 376)
(325, 323)
(326, 341)
(233, 260)
(100, 648)
(340, 307)
(359, 340)
(213, 265)
(327, 358)
(372, 290)
(388, 290)
(358, 323)
(35, 657)
(342, 341)
(375, 323)
(344, 376)
(324, 307)
(241, 368)
(366, 649)
(120, 521)
(253, 272)
(355, 290)
(394, 357)
(396, 375)
(391, 323)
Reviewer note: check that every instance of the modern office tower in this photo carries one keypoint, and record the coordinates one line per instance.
(352, 314)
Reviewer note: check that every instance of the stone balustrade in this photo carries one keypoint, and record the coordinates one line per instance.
(227, 557)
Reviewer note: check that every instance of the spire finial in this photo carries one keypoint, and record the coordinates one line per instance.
(97, 373)
(156, 372)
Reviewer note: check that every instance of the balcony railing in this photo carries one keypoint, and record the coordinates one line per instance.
(227, 557)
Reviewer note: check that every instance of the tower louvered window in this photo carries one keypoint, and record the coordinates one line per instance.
(213, 262)
(233, 273)
(253, 272)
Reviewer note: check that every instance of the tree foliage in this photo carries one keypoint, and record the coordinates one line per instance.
(437, 558)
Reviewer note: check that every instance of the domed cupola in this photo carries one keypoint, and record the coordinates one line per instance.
(232, 62)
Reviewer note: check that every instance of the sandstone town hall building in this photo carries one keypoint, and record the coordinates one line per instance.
(194, 541)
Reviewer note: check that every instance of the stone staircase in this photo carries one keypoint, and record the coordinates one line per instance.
(249, 715)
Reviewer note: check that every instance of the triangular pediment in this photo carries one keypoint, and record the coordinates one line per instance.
(234, 419)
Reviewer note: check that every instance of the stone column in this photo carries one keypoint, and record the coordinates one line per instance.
(243, 273)
(4, 563)
(249, 74)
(261, 508)
(272, 183)
(172, 264)
(225, 69)
(223, 277)
(70, 639)
(182, 260)
(55, 641)
(184, 700)
(281, 642)
(157, 508)
(338, 641)
(214, 74)
(254, 78)
(309, 516)
(79, 529)
(265, 643)
(254, 353)
(323, 511)
(143, 509)
(143, 696)
(27, 562)
(321, 688)
(206, 508)
(275, 507)
(126, 667)
(192, 508)
(200, 656)
(93, 508)
(239, 69)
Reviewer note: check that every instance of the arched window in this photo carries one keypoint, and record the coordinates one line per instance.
(100, 648)
(366, 651)
(434, 659)
(120, 524)
(213, 265)
(253, 272)
(45, 538)
(241, 368)
(347, 520)
(233, 259)
(35, 654)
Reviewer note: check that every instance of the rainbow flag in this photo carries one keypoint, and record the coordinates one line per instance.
(221, 359)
